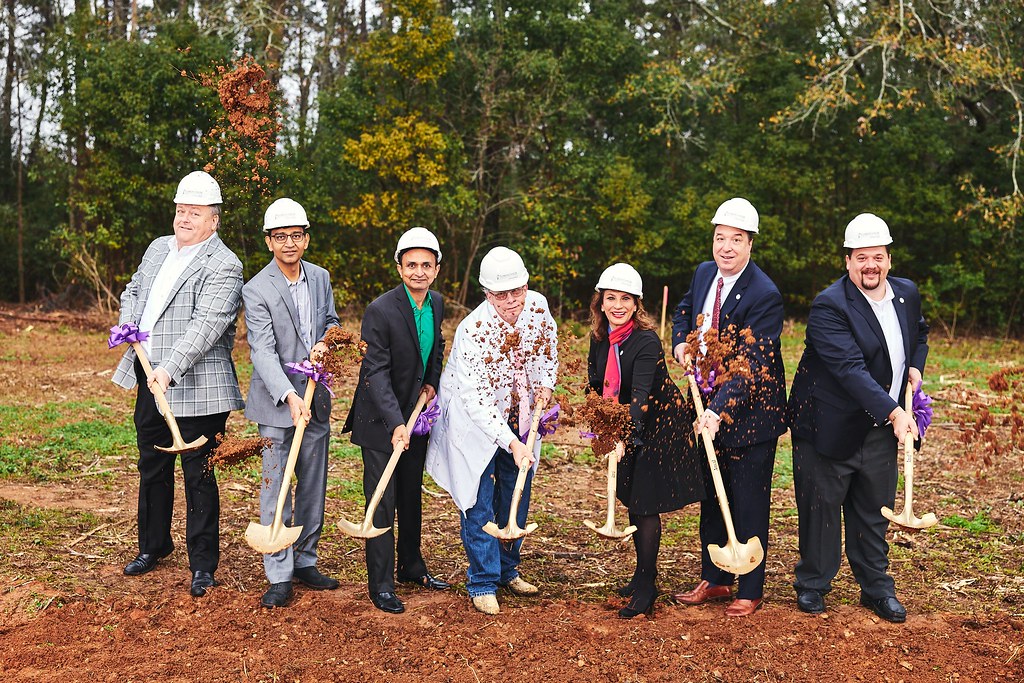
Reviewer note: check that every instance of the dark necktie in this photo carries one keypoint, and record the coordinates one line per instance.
(716, 312)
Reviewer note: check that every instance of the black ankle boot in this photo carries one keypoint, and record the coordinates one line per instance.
(641, 603)
(627, 590)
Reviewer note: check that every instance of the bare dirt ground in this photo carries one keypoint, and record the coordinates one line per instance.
(68, 613)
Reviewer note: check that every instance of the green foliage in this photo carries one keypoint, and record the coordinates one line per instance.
(981, 523)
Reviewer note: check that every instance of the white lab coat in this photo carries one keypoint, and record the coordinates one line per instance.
(476, 390)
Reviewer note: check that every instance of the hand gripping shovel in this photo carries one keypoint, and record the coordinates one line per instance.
(367, 529)
(277, 536)
(609, 530)
(178, 445)
(907, 518)
(735, 557)
(512, 530)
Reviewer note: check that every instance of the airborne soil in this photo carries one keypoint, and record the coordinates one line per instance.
(68, 527)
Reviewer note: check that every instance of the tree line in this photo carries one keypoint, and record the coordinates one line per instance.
(578, 132)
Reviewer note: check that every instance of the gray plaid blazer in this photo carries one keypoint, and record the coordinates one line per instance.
(195, 332)
(273, 332)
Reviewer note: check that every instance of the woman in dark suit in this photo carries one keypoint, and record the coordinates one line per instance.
(660, 469)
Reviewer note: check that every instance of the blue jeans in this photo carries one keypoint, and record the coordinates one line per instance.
(493, 562)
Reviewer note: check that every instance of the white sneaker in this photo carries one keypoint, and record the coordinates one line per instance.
(488, 604)
(520, 586)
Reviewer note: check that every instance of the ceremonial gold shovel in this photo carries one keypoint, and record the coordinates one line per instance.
(178, 444)
(907, 518)
(512, 530)
(367, 529)
(735, 557)
(609, 530)
(277, 536)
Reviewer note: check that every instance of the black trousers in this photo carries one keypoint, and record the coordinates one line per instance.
(831, 492)
(403, 497)
(747, 475)
(156, 482)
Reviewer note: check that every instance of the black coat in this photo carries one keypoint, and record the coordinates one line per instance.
(392, 374)
(841, 387)
(756, 405)
(661, 470)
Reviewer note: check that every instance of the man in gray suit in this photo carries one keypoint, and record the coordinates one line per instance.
(289, 305)
(186, 294)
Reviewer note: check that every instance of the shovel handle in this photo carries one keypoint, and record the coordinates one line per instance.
(161, 399)
(716, 474)
(293, 457)
(517, 493)
(908, 457)
(389, 469)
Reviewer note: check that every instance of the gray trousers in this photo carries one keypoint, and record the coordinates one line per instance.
(856, 489)
(310, 491)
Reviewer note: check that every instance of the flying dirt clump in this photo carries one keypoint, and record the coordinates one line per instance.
(232, 450)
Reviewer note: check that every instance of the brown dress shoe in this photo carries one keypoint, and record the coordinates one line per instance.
(703, 592)
(742, 608)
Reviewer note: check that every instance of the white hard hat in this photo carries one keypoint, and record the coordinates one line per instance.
(867, 230)
(285, 213)
(199, 188)
(621, 277)
(502, 269)
(417, 238)
(737, 213)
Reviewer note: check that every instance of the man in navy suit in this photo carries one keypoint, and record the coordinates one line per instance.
(404, 351)
(866, 339)
(734, 294)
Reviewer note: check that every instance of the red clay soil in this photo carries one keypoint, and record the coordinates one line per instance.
(67, 613)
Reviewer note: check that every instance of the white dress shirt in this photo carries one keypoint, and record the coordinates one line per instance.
(885, 311)
(175, 263)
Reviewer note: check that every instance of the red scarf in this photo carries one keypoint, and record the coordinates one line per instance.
(612, 377)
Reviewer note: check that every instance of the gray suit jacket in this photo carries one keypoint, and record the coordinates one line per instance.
(273, 332)
(193, 336)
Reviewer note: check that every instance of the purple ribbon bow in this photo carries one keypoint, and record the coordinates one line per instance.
(922, 406)
(314, 371)
(548, 424)
(125, 334)
(705, 384)
(427, 418)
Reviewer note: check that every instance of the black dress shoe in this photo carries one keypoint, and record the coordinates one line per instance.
(387, 602)
(143, 563)
(310, 577)
(426, 581)
(810, 601)
(889, 608)
(278, 595)
(201, 582)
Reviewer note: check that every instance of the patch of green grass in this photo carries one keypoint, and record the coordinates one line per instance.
(345, 450)
(782, 475)
(981, 523)
(345, 489)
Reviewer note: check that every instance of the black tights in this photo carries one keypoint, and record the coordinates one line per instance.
(647, 540)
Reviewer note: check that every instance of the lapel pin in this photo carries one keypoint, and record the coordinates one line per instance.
(738, 296)
(901, 300)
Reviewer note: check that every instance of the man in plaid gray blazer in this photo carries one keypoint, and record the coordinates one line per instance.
(186, 293)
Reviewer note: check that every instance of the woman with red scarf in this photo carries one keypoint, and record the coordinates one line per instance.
(660, 470)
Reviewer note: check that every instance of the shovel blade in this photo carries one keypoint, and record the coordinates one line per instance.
(364, 530)
(611, 532)
(907, 520)
(737, 558)
(183, 447)
(266, 539)
(510, 532)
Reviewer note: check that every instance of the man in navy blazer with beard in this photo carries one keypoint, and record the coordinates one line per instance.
(734, 294)
(866, 339)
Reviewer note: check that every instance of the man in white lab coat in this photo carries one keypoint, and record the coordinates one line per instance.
(504, 361)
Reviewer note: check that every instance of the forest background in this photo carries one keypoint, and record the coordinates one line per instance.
(579, 133)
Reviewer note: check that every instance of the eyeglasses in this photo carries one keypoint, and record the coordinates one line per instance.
(501, 296)
(295, 237)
